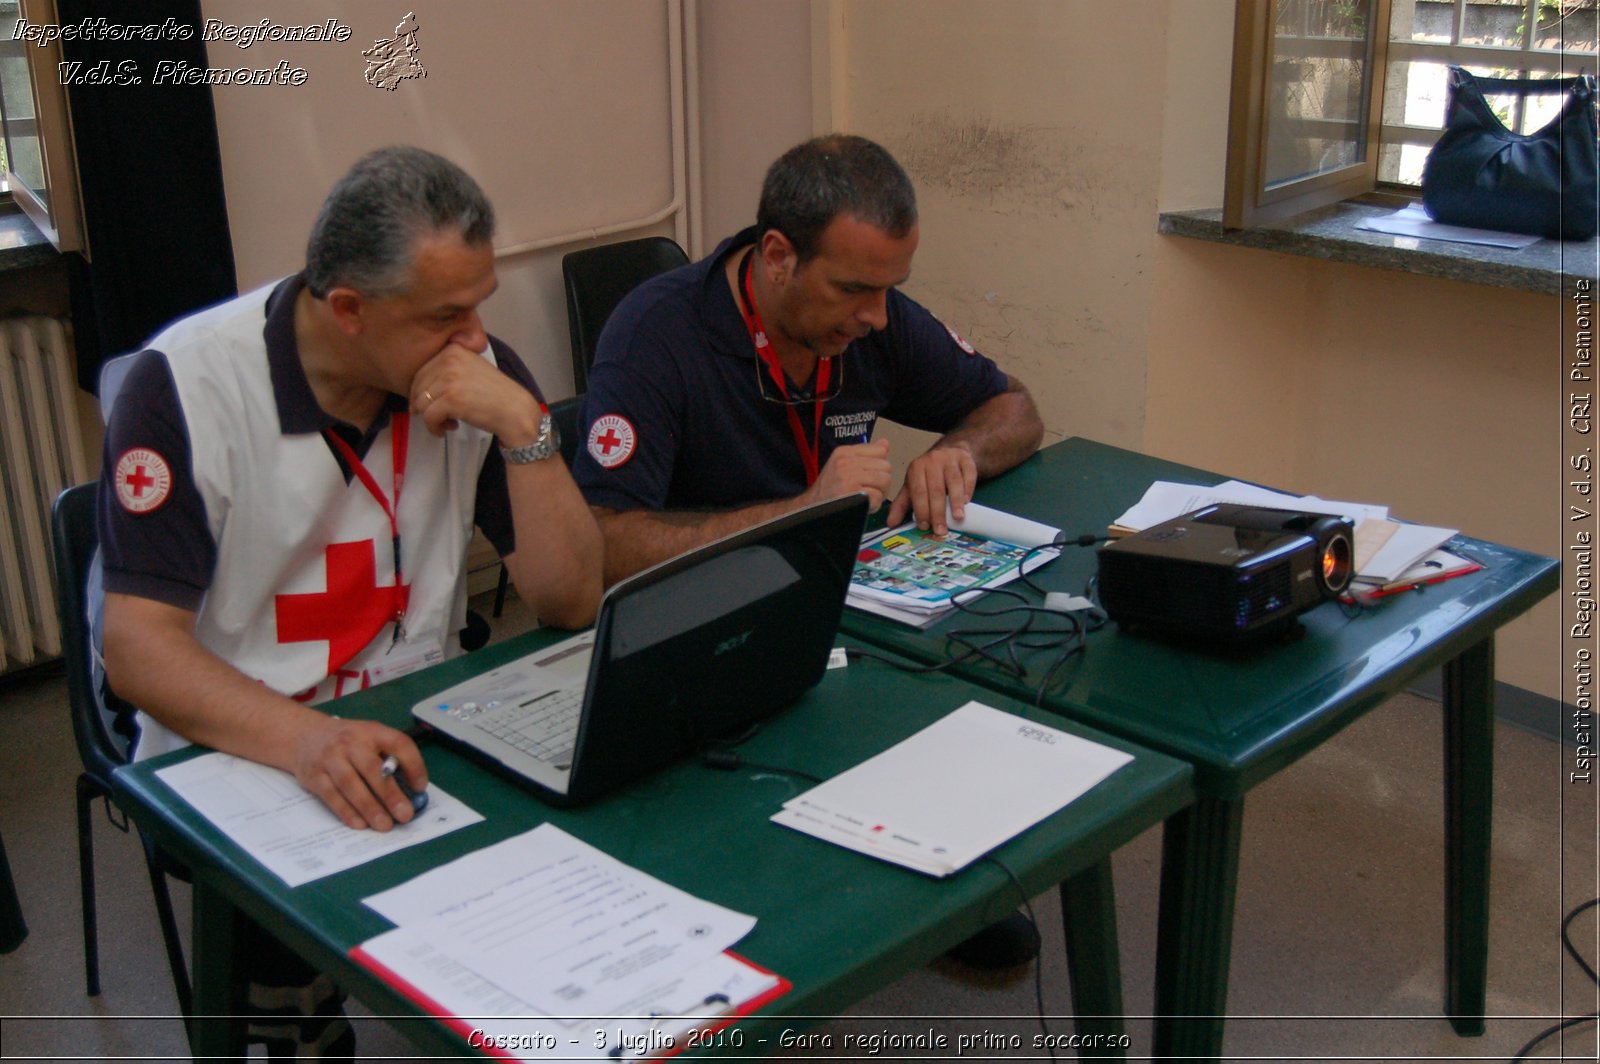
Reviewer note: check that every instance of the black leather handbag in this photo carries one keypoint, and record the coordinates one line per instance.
(1481, 174)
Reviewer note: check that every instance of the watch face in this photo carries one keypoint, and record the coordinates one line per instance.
(546, 444)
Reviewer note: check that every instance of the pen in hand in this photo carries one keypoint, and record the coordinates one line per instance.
(391, 769)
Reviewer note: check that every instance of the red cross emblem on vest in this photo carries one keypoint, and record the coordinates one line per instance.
(351, 612)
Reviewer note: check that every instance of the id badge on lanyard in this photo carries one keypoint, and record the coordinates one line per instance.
(810, 449)
(399, 441)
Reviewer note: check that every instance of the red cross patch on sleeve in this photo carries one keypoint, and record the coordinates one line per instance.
(968, 348)
(611, 440)
(143, 480)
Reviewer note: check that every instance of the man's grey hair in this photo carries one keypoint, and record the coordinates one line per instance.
(366, 232)
(813, 183)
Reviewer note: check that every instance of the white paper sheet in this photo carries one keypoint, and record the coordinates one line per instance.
(955, 790)
(1166, 499)
(560, 925)
(497, 1018)
(1409, 545)
(287, 828)
(1413, 220)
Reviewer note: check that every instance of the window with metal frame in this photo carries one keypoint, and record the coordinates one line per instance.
(1333, 99)
(36, 161)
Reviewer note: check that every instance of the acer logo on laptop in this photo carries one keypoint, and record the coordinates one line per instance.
(733, 643)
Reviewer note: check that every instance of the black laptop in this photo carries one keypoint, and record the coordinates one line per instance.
(691, 650)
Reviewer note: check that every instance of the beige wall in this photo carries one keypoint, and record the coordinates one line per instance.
(1036, 155)
(1437, 398)
(562, 112)
(755, 103)
(1043, 141)
(1043, 135)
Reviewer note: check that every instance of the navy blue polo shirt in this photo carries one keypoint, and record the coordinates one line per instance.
(674, 418)
(168, 554)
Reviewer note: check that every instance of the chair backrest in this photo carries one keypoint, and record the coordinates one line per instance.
(564, 415)
(597, 279)
(74, 537)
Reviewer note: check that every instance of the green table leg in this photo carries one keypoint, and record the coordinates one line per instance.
(217, 1028)
(1089, 909)
(1469, 796)
(1199, 880)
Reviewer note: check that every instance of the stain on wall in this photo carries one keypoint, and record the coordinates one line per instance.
(998, 166)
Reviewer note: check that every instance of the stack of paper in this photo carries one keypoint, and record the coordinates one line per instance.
(913, 576)
(1384, 549)
(942, 798)
(1437, 566)
(1414, 220)
(528, 934)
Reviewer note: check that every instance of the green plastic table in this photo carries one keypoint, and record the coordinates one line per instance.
(1239, 718)
(837, 924)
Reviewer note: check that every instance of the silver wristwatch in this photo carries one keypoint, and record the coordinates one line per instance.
(546, 444)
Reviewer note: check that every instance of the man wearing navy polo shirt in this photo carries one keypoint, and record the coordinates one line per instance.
(747, 385)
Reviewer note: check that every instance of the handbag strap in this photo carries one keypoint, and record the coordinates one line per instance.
(1462, 78)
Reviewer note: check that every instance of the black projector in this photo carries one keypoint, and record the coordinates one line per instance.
(1226, 573)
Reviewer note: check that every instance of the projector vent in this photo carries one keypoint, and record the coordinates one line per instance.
(1263, 594)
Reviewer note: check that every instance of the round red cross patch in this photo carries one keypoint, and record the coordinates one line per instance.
(611, 440)
(968, 348)
(143, 480)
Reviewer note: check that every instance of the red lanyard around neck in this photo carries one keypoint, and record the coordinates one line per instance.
(399, 440)
(758, 335)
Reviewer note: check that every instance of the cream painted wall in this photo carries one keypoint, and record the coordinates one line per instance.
(1435, 397)
(560, 110)
(563, 111)
(1043, 136)
(1043, 141)
(755, 104)
(1036, 154)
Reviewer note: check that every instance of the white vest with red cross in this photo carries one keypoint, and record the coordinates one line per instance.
(303, 594)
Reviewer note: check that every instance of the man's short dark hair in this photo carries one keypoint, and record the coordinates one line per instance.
(365, 234)
(813, 183)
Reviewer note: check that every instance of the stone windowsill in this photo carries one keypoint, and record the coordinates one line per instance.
(1549, 266)
(21, 244)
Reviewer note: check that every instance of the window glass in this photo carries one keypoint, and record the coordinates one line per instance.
(1316, 106)
(19, 147)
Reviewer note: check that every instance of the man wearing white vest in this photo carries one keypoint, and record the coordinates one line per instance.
(291, 479)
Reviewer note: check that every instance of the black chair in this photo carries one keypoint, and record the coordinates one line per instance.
(597, 279)
(564, 415)
(100, 747)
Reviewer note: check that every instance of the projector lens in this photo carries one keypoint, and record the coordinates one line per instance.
(1336, 555)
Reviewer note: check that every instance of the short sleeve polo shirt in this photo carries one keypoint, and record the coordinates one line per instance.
(675, 419)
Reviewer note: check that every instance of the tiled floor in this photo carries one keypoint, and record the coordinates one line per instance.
(1337, 953)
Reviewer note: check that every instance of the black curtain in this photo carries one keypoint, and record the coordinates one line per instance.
(151, 184)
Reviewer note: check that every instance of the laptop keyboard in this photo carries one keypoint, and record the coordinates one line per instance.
(545, 728)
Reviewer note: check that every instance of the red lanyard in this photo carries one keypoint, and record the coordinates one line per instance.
(399, 439)
(758, 335)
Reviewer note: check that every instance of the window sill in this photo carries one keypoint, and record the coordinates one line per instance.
(21, 244)
(1550, 266)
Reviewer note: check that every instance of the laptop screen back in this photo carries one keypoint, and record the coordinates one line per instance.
(704, 645)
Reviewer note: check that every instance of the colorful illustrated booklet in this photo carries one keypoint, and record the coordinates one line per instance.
(913, 576)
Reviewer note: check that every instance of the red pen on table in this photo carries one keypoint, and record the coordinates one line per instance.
(1385, 592)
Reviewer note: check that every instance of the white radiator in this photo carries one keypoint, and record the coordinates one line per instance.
(41, 452)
